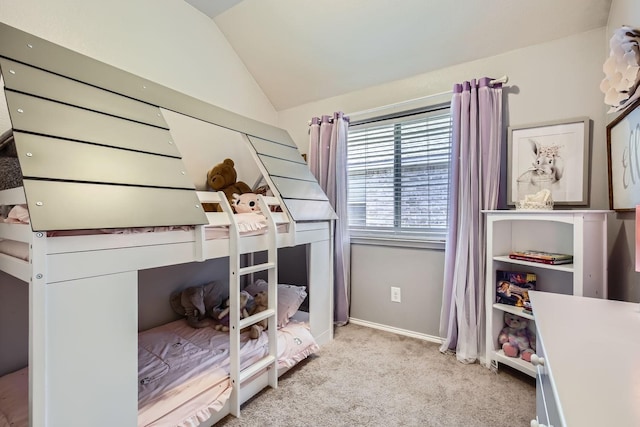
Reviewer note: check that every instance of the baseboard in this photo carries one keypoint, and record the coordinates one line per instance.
(398, 331)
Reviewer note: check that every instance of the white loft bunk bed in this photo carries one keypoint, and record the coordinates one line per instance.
(75, 121)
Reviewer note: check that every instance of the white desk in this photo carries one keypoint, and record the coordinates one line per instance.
(591, 350)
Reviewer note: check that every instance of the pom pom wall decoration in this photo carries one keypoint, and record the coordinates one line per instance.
(621, 85)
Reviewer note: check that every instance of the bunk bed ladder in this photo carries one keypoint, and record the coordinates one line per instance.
(239, 374)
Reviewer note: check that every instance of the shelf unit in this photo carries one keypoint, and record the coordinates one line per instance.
(582, 233)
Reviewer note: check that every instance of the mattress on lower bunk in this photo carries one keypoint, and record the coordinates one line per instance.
(183, 373)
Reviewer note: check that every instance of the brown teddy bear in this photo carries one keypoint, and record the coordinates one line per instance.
(223, 177)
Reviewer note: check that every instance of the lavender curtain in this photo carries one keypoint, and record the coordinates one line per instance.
(328, 163)
(476, 109)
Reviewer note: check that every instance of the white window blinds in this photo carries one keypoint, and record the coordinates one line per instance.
(398, 176)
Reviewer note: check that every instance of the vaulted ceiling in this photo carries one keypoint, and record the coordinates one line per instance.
(301, 51)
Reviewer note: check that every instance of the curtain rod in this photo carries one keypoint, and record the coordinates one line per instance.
(503, 79)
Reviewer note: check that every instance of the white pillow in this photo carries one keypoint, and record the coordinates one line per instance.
(289, 298)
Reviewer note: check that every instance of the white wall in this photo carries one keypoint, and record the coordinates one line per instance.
(551, 81)
(166, 41)
(623, 12)
(419, 275)
(624, 281)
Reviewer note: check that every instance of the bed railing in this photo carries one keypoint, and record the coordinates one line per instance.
(223, 219)
(186, 246)
(17, 232)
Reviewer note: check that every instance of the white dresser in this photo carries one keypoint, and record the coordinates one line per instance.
(589, 371)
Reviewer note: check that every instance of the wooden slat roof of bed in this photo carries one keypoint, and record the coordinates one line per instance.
(87, 134)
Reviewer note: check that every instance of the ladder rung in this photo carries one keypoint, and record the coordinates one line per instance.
(256, 268)
(248, 321)
(257, 367)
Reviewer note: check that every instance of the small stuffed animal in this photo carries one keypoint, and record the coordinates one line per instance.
(516, 339)
(221, 314)
(245, 203)
(197, 302)
(261, 304)
(223, 177)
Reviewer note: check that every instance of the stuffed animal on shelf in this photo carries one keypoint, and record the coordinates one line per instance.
(245, 203)
(223, 177)
(198, 302)
(221, 314)
(516, 339)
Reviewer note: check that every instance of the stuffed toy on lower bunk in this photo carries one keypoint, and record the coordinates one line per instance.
(516, 339)
(197, 303)
(247, 308)
(261, 304)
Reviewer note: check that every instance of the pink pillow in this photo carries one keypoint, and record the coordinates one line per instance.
(289, 298)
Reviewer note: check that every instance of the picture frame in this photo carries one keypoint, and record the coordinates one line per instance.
(623, 159)
(551, 155)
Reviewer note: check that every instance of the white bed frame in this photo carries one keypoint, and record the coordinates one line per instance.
(67, 271)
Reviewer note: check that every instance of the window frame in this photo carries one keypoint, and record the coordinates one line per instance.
(399, 236)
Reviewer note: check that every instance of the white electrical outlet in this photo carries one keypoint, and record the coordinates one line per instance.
(395, 294)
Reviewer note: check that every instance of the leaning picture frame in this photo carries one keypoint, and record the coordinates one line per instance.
(550, 156)
(623, 159)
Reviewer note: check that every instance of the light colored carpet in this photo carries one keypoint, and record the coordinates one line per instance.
(367, 377)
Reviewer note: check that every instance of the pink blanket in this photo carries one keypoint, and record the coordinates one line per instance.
(183, 373)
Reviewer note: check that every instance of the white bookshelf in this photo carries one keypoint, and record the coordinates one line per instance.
(581, 233)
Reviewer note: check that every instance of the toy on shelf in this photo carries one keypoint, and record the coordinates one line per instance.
(516, 339)
(539, 201)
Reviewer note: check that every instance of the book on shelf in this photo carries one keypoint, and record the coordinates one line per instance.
(512, 288)
(542, 257)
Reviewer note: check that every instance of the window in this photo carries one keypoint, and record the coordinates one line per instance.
(398, 176)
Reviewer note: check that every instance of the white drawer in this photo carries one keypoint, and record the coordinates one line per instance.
(547, 411)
